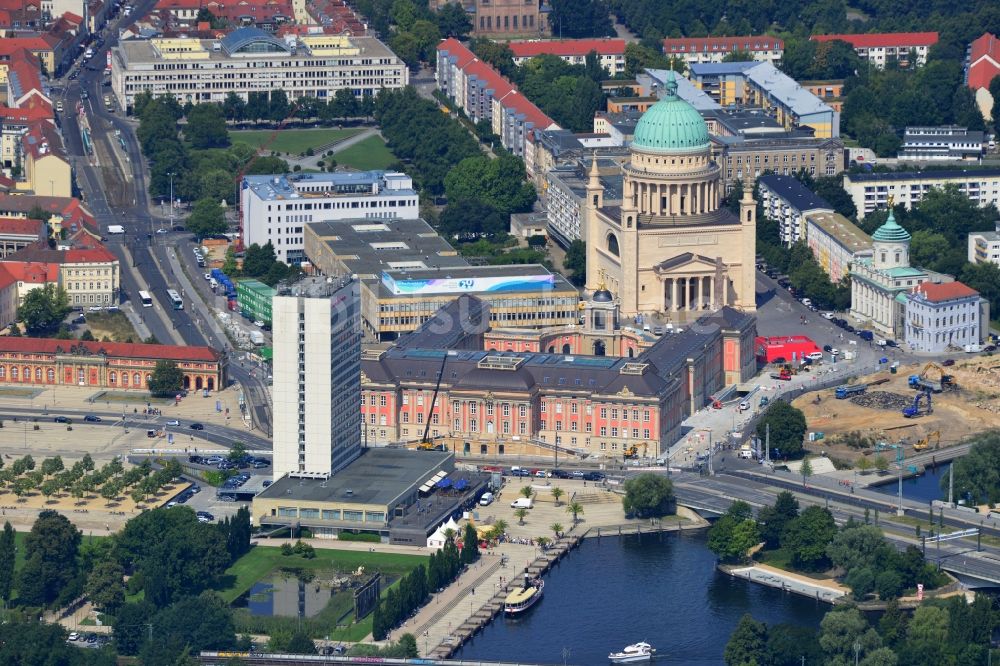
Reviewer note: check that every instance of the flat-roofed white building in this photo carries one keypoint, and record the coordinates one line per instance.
(251, 60)
(871, 191)
(276, 208)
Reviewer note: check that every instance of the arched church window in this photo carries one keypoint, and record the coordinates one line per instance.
(613, 245)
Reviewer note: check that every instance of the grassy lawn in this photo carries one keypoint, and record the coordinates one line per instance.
(114, 325)
(781, 559)
(261, 560)
(292, 141)
(371, 153)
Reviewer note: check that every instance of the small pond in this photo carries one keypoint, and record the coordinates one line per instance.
(304, 593)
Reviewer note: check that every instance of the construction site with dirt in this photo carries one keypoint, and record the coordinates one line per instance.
(922, 407)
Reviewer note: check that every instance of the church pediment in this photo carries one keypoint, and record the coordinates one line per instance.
(688, 261)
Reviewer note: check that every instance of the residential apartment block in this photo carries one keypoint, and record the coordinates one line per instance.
(765, 86)
(871, 191)
(566, 193)
(610, 52)
(697, 50)
(483, 94)
(251, 60)
(787, 201)
(881, 48)
(984, 246)
(317, 376)
(836, 242)
(276, 208)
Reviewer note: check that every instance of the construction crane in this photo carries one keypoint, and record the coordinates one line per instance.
(246, 167)
(425, 443)
(922, 444)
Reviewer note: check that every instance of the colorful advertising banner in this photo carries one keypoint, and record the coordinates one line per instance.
(402, 287)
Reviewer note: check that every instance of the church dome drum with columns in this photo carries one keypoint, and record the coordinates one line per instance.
(671, 248)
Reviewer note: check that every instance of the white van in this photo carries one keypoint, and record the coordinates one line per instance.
(522, 503)
(746, 453)
(486, 499)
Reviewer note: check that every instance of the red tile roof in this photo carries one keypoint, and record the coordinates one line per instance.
(984, 61)
(8, 45)
(882, 39)
(32, 272)
(6, 277)
(463, 56)
(87, 250)
(946, 291)
(567, 47)
(749, 43)
(21, 226)
(69, 209)
(42, 139)
(116, 349)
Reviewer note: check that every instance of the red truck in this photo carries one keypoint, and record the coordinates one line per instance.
(783, 376)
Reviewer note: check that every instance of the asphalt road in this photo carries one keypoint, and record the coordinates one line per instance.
(141, 248)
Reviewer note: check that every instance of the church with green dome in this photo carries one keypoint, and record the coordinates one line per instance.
(671, 249)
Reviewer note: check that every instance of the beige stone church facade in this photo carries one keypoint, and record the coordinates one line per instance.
(671, 248)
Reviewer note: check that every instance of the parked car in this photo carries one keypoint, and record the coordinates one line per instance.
(74, 636)
(593, 476)
(560, 474)
(827, 348)
(578, 474)
(90, 418)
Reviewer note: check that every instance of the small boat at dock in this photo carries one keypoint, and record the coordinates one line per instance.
(523, 598)
(636, 653)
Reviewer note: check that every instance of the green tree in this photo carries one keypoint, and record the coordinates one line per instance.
(26, 639)
(576, 262)
(278, 107)
(841, 628)
(788, 644)
(499, 183)
(407, 47)
(807, 537)
(520, 514)
(557, 494)
(575, 509)
(649, 495)
(50, 565)
(557, 529)
(889, 584)
(44, 309)
(470, 545)
(806, 470)
(747, 645)
(206, 218)
(471, 218)
(7, 559)
(881, 463)
(773, 519)
(166, 379)
(300, 643)
(580, 18)
(258, 259)
(233, 107)
(453, 21)
(926, 637)
(858, 546)
(788, 428)
(106, 586)
(861, 580)
(734, 533)
(192, 624)
(206, 127)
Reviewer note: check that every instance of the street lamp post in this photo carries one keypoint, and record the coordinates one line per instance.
(171, 174)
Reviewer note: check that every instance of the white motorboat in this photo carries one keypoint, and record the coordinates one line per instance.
(636, 653)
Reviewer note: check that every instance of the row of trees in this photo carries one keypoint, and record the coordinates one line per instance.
(977, 475)
(274, 106)
(947, 631)
(858, 552)
(412, 29)
(260, 262)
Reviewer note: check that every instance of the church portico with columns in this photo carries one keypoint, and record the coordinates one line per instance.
(671, 248)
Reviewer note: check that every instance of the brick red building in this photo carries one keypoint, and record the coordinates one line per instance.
(598, 404)
(107, 365)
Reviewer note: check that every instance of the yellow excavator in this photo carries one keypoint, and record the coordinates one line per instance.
(942, 376)
(632, 452)
(922, 444)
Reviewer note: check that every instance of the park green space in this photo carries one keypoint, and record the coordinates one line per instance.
(294, 141)
(365, 155)
(262, 560)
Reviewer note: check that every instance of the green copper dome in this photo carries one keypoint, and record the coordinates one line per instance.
(671, 125)
(891, 232)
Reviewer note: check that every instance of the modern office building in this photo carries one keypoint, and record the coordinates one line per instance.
(317, 390)
(276, 208)
(942, 318)
(871, 191)
(251, 60)
(787, 201)
(984, 246)
(905, 48)
(947, 143)
(697, 50)
(610, 52)
(407, 272)
(254, 299)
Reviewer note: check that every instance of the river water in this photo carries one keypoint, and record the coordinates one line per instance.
(924, 488)
(610, 592)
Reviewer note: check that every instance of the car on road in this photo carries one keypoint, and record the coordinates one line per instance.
(208, 276)
(162, 231)
(173, 422)
(196, 426)
(90, 418)
(61, 419)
